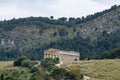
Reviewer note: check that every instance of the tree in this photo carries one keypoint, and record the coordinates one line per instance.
(10, 78)
(56, 60)
(49, 63)
(2, 77)
(63, 19)
(69, 75)
(51, 17)
(114, 54)
(19, 61)
(26, 63)
(63, 74)
(59, 74)
(71, 19)
(63, 32)
(40, 75)
(77, 73)
(34, 69)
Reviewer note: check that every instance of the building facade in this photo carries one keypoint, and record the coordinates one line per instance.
(62, 55)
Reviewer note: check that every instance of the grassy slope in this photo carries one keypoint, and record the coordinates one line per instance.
(95, 69)
(98, 69)
(7, 68)
(5, 64)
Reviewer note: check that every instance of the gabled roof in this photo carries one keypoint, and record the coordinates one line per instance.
(52, 49)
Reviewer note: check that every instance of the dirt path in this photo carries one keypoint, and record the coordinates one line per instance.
(37, 64)
(86, 78)
(59, 64)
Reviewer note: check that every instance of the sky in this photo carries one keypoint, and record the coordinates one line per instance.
(58, 8)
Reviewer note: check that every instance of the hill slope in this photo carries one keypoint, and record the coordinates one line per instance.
(94, 69)
(98, 69)
(30, 36)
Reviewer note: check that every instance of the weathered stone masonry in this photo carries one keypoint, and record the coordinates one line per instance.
(62, 55)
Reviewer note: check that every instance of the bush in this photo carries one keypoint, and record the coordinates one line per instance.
(77, 73)
(63, 74)
(26, 63)
(9, 78)
(63, 32)
(40, 75)
(56, 60)
(70, 76)
(49, 63)
(58, 74)
(19, 61)
(34, 69)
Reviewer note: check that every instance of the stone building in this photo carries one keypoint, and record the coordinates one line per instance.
(62, 55)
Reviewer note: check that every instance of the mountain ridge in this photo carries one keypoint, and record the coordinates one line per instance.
(27, 35)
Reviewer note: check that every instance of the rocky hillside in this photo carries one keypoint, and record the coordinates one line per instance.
(30, 36)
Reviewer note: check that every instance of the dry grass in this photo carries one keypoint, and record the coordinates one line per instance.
(98, 69)
(7, 68)
(95, 69)
(5, 64)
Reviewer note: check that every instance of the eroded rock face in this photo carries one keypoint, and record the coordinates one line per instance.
(7, 42)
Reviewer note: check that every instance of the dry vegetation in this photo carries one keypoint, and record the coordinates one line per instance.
(5, 64)
(94, 69)
(7, 68)
(98, 69)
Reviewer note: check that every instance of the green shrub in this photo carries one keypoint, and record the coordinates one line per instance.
(19, 61)
(58, 74)
(77, 73)
(9, 78)
(49, 63)
(56, 60)
(70, 76)
(63, 74)
(26, 63)
(63, 32)
(40, 75)
(34, 69)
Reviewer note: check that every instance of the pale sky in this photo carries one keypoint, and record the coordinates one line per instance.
(58, 8)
